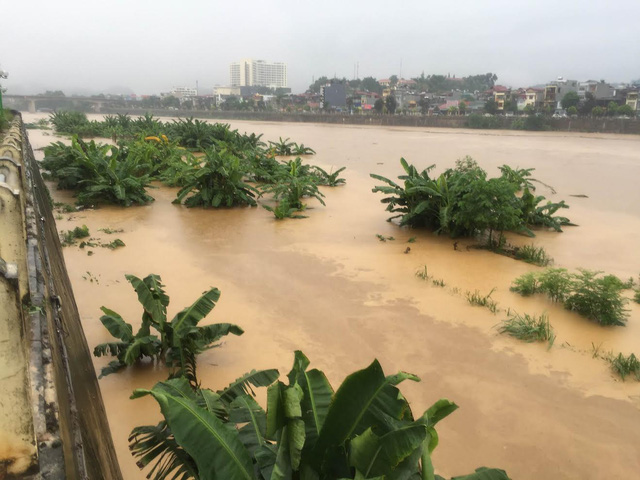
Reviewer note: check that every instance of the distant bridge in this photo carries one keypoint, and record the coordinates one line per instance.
(32, 101)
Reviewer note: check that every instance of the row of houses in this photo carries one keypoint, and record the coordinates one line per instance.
(338, 96)
(550, 96)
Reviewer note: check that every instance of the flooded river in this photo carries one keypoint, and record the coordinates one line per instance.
(328, 286)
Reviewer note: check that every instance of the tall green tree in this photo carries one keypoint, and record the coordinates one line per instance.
(571, 99)
(586, 106)
(370, 84)
(378, 105)
(391, 103)
(490, 106)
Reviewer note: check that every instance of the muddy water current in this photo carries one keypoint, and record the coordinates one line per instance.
(328, 286)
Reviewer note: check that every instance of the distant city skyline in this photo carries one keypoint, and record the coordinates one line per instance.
(135, 47)
(31, 89)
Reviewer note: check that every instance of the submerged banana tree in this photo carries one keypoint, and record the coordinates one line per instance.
(180, 340)
(463, 201)
(364, 430)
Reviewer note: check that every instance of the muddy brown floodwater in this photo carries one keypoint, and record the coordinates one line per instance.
(328, 286)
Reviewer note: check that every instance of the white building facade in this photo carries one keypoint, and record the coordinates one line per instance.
(258, 73)
(184, 92)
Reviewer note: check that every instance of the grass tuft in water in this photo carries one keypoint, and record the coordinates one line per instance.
(526, 284)
(382, 238)
(535, 255)
(423, 273)
(529, 328)
(64, 207)
(479, 300)
(625, 366)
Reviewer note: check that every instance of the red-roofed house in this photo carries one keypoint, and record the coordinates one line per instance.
(406, 83)
(501, 95)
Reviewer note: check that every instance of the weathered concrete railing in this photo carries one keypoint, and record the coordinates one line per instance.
(52, 419)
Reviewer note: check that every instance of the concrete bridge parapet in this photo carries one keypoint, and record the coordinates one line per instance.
(52, 419)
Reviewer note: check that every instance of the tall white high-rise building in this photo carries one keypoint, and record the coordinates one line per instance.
(258, 73)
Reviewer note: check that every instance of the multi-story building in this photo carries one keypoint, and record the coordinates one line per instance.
(599, 90)
(258, 73)
(501, 95)
(532, 97)
(555, 91)
(184, 92)
(367, 99)
(632, 100)
(335, 95)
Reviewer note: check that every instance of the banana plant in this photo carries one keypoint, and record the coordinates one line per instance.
(282, 147)
(294, 181)
(300, 149)
(100, 173)
(331, 179)
(283, 210)
(364, 430)
(219, 182)
(115, 177)
(462, 201)
(416, 202)
(180, 340)
(535, 214)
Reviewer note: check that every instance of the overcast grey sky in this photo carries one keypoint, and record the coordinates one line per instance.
(148, 46)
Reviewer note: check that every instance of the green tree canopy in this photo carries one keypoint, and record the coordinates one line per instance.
(625, 110)
(571, 99)
(370, 84)
(378, 105)
(586, 106)
(391, 103)
(491, 106)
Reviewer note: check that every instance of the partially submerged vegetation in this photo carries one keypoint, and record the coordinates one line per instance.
(99, 173)
(364, 429)
(529, 328)
(180, 340)
(477, 299)
(463, 202)
(236, 169)
(588, 293)
(532, 254)
(69, 237)
(625, 366)
(285, 147)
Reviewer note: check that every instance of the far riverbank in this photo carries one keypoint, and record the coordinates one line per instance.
(582, 124)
